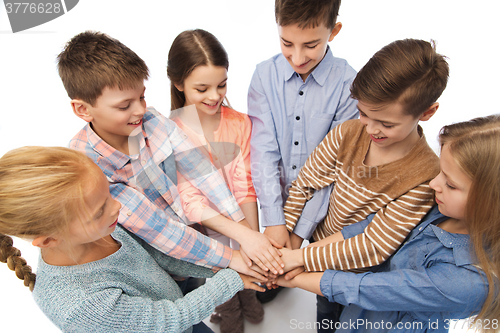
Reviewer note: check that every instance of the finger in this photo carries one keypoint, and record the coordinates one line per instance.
(274, 243)
(294, 272)
(245, 258)
(261, 265)
(255, 287)
(256, 275)
(275, 260)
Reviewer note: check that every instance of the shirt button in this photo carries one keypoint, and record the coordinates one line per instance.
(294, 167)
(296, 143)
(301, 93)
(297, 118)
(129, 213)
(143, 162)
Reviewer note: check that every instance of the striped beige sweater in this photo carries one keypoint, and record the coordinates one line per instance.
(398, 192)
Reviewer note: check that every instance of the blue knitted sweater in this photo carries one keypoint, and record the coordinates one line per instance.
(129, 291)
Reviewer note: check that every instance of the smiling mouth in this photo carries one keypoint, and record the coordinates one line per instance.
(304, 64)
(211, 105)
(137, 122)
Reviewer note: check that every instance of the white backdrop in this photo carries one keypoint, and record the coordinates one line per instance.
(35, 109)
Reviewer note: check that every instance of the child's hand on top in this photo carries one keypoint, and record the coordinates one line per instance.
(238, 264)
(262, 251)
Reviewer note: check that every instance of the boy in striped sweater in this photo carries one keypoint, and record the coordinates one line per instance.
(381, 163)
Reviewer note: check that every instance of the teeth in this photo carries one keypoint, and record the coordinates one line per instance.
(136, 122)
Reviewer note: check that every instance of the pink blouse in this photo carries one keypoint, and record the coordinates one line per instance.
(230, 154)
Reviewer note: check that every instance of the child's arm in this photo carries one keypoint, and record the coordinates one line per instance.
(380, 239)
(113, 309)
(425, 289)
(318, 172)
(265, 158)
(306, 281)
(255, 245)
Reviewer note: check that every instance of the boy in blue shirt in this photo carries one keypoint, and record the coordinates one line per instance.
(295, 98)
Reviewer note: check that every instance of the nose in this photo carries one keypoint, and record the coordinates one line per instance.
(140, 109)
(371, 126)
(116, 206)
(298, 57)
(214, 94)
(434, 184)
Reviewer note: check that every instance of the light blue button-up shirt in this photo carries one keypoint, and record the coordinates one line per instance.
(290, 118)
(428, 282)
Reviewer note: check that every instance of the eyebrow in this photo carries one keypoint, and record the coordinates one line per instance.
(204, 84)
(450, 179)
(381, 121)
(311, 42)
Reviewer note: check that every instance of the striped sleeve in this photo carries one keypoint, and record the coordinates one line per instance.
(381, 238)
(318, 172)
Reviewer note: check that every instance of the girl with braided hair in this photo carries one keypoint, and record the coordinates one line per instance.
(93, 275)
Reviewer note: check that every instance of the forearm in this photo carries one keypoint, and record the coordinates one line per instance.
(250, 211)
(309, 282)
(217, 222)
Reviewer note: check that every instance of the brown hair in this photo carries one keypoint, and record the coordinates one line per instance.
(41, 190)
(190, 49)
(307, 13)
(475, 147)
(92, 61)
(408, 71)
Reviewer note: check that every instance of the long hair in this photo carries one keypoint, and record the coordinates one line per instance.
(41, 191)
(475, 147)
(190, 49)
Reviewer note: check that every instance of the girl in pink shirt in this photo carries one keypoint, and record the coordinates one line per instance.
(197, 68)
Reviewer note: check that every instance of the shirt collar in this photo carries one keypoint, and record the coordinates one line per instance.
(114, 156)
(459, 243)
(319, 74)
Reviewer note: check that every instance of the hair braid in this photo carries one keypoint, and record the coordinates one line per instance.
(12, 256)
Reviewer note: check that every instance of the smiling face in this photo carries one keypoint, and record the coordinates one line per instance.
(116, 114)
(388, 125)
(304, 48)
(205, 88)
(452, 186)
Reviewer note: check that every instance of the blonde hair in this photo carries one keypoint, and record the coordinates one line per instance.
(41, 190)
(475, 147)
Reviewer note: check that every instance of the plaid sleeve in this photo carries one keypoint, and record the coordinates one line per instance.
(198, 169)
(152, 224)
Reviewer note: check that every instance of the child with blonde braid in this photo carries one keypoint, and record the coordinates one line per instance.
(93, 274)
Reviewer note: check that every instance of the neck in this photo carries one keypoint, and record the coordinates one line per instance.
(73, 255)
(454, 226)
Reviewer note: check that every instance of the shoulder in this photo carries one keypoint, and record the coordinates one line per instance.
(233, 116)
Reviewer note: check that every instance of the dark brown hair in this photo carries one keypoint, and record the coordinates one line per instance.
(307, 13)
(92, 61)
(190, 49)
(408, 71)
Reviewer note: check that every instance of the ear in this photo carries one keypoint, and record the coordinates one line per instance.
(179, 87)
(429, 112)
(45, 242)
(335, 31)
(81, 109)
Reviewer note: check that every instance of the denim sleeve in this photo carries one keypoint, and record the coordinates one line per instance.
(441, 288)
